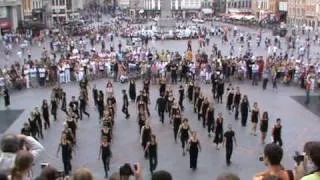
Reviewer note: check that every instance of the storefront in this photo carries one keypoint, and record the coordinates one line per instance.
(5, 20)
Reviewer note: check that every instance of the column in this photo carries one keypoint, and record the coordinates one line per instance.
(14, 17)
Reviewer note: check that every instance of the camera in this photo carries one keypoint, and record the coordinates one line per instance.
(261, 158)
(126, 169)
(298, 158)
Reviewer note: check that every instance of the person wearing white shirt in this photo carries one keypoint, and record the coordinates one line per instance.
(27, 75)
(42, 76)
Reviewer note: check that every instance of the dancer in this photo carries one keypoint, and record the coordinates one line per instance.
(132, 90)
(100, 104)
(218, 131)
(39, 122)
(276, 132)
(244, 110)
(170, 101)
(177, 119)
(45, 114)
(264, 126)
(152, 149)
(183, 132)
(109, 88)
(190, 90)
(33, 125)
(254, 118)
(83, 105)
(72, 125)
(105, 154)
(54, 107)
(228, 141)
(236, 103)
(210, 119)
(163, 84)
(200, 99)
(6, 96)
(181, 97)
(204, 108)
(194, 148)
(146, 100)
(161, 106)
(145, 136)
(196, 94)
(66, 152)
(125, 104)
(230, 99)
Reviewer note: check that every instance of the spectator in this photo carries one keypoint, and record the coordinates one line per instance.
(310, 168)
(3, 176)
(11, 144)
(273, 154)
(49, 173)
(22, 166)
(228, 176)
(82, 174)
(161, 175)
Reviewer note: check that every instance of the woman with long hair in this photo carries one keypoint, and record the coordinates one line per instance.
(145, 136)
(194, 148)
(66, 152)
(218, 131)
(264, 126)
(244, 110)
(132, 90)
(183, 132)
(152, 148)
(22, 166)
(254, 118)
(45, 113)
(105, 154)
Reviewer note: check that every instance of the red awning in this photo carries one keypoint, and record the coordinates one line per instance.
(5, 24)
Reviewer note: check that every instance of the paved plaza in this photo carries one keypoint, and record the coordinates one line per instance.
(299, 126)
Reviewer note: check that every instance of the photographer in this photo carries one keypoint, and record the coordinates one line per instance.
(273, 154)
(11, 144)
(308, 166)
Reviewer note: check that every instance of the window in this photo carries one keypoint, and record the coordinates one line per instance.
(69, 4)
(53, 2)
(62, 3)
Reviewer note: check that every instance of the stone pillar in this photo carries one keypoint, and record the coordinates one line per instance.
(14, 16)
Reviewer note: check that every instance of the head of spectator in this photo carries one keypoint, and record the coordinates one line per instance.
(3, 176)
(22, 165)
(161, 175)
(82, 174)
(228, 176)
(273, 154)
(49, 173)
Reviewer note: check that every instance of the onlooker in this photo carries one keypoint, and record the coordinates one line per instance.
(273, 154)
(82, 174)
(161, 175)
(11, 144)
(228, 176)
(22, 166)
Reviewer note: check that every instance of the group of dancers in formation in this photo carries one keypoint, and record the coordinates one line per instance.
(165, 104)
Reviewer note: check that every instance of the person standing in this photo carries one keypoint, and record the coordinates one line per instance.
(236, 103)
(105, 154)
(45, 114)
(183, 132)
(38, 121)
(66, 152)
(132, 90)
(276, 132)
(145, 136)
(210, 119)
(83, 105)
(228, 141)
(54, 107)
(152, 148)
(255, 114)
(244, 110)
(6, 96)
(181, 97)
(161, 106)
(194, 148)
(230, 100)
(33, 125)
(204, 108)
(100, 104)
(264, 126)
(177, 118)
(218, 131)
(125, 104)
(74, 105)
(220, 90)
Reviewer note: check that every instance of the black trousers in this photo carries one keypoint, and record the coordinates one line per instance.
(40, 133)
(83, 110)
(106, 162)
(147, 109)
(183, 142)
(193, 159)
(210, 127)
(175, 131)
(46, 122)
(67, 165)
(153, 161)
(125, 110)
(161, 114)
(219, 97)
(244, 117)
(265, 83)
(277, 139)
(229, 150)
(236, 114)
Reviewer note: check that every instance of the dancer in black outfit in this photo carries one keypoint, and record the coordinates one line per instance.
(125, 104)
(210, 119)
(152, 149)
(45, 114)
(244, 110)
(83, 105)
(38, 119)
(236, 103)
(66, 130)
(194, 148)
(106, 132)
(204, 108)
(66, 150)
(6, 96)
(100, 104)
(170, 102)
(218, 131)
(105, 154)
(200, 99)
(195, 97)
(183, 132)
(64, 102)
(230, 100)
(177, 119)
(276, 132)
(255, 114)
(190, 90)
(175, 108)
(141, 119)
(220, 90)
(33, 125)
(132, 90)
(161, 106)
(181, 97)
(214, 81)
(95, 94)
(228, 141)
(163, 84)
(145, 136)
(146, 100)
(54, 107)
(74, 105)
(264, 126)
(146, 85)
(72, 125)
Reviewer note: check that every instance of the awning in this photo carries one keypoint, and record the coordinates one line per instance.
(207, 11)
(141, 11)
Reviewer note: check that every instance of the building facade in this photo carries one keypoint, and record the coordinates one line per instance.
(65, 10)
(30, 6)
(11, 13)
(304, 12)
(238, 6)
